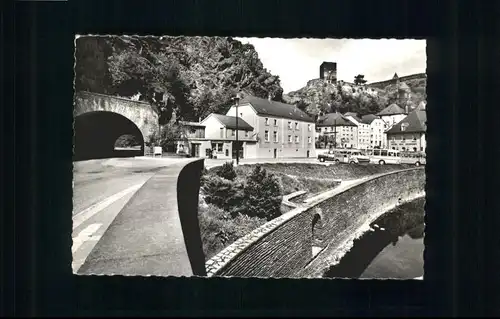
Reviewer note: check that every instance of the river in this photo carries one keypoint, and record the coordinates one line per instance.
(392, 249)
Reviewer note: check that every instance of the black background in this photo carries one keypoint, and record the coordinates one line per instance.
(462, 239)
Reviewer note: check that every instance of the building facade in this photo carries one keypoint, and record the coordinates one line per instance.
(281, 130)
(410, 133)
(363, 131)
(377, 128)
(215, 137)
(392, 114)
(337, 130)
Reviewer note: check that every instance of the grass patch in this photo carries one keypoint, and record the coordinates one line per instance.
(318, 171)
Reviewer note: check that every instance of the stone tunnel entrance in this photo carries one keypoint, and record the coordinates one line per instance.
(96, 134)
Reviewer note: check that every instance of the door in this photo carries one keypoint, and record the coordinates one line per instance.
(195, 150)
(275, 153)
(308, 154)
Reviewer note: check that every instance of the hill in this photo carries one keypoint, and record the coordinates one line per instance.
(182, 77)
(319, 96)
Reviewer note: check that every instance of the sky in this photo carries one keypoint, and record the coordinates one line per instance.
(297, 61)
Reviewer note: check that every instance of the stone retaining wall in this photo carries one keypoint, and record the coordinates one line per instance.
(283, 246)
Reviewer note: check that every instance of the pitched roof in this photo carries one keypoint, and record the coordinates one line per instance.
(368, 119)
(230, 122)
(353, 115)
(334, 119)
(277, 109)
(395, 76)
(392, 109)
(415, 122)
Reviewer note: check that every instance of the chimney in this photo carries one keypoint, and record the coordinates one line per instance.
(406, 108)
(199, 119)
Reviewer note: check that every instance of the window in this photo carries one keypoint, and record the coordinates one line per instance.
(267, 121)
(232, 132)
(296, 125)
(404, 138)
(221, 132)
(383, 152)
(289, 139)
(246, 134)
(309, 139)
(296, 138)
(266, 136)
(219, 147)
(275, 136)
(290, 125)
(309, 127)
(275, 122)
(227, 152)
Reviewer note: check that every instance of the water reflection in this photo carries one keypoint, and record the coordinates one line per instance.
(392, 249)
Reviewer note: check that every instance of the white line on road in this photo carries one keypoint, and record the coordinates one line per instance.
(84, 215)
(84, 235)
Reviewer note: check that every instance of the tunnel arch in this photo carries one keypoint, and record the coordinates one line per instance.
(141, 113)
(96, 132)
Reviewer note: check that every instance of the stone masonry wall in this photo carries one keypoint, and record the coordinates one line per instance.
(140, 113)
(283, 246)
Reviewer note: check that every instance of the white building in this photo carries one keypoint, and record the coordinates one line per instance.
(281, 130)
(339, 130)
(392, 114)
(363, 130)
(378, 137)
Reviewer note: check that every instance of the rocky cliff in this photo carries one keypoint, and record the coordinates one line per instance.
(319, 96)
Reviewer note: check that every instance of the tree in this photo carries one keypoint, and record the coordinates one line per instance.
(359, 79)
(155, 75)
(263, 194)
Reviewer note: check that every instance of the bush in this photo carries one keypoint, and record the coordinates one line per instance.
(263, 194)
(221, 192)
(227, 171)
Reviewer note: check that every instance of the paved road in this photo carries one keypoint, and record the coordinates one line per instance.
(101, 189)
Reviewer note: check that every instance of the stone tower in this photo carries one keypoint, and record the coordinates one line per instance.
(328, 71)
